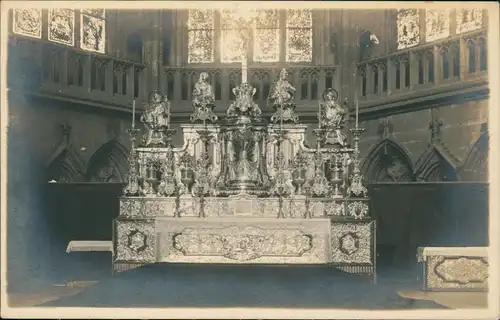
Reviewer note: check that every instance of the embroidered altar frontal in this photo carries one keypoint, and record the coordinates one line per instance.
(247, 240)
(244, 240)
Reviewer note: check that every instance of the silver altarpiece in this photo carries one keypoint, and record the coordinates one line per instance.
(245, 189)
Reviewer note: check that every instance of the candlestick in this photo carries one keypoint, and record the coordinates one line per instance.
(133, 114)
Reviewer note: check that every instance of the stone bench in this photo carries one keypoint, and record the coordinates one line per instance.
(454, 268)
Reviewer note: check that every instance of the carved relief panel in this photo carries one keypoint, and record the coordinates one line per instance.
(353, 243)
(135, 240)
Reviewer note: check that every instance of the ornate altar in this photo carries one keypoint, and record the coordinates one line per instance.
(245, 189)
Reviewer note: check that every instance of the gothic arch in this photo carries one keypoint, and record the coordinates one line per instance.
(436, 164)
(475, 166)
(388, 162)
(108, 164)
(64, 164)
(66, 167)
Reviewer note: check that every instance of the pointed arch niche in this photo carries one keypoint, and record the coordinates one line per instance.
(66, 167)
(436, 165)
(64, 164)
(108, 164)
(388, 162)
(475, 166)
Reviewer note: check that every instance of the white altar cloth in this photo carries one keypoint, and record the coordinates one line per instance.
(424, 252)
(89, 246)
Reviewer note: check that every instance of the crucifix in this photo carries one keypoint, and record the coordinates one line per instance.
(243, 19)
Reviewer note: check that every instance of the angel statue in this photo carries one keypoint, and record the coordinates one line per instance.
(331, 116)
(203, 100)
(156, 118)
(282, 99)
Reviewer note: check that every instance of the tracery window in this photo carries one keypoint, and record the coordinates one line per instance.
(93, 30)
(201, 36)
(207, 26)
(61, 26)
(27, 22)
(232, 46)
(298, 35)
(408, 24)
(437, 24)
(469, 19)
(266, 36)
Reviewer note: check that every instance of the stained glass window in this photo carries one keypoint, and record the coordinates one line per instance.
(266, 36)
(93, 30)
(408, 24)
(437, 24)
(469, 19)
(61, 26)
(200, 36)
(232, 46)
(298, 35)
(27, 22)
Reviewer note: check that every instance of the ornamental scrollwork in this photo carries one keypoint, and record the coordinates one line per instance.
(357, 209)
(242, 244)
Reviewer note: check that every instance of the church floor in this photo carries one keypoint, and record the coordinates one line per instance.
(218, 286)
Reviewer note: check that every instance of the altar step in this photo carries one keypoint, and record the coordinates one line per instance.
(452, 300)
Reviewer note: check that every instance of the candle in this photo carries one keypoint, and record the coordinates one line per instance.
(281, 117)
(133, 114)
(319, 115)
(244, 70)
(357, 113)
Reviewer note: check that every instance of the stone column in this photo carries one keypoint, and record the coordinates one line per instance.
(347, 50)
(152, 52)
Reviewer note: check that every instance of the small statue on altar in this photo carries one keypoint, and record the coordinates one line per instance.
(168, 183)
(156, 118)
(244, 107)
(331, 116)
(157, 112)
(282, 99)
(203, 100)
(132, 188)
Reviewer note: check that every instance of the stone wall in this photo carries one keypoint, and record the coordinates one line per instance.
(45, 127)
(97, 139)
(451, 132)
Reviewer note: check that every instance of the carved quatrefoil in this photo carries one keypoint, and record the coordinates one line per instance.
(137, 241)
(349, 243)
